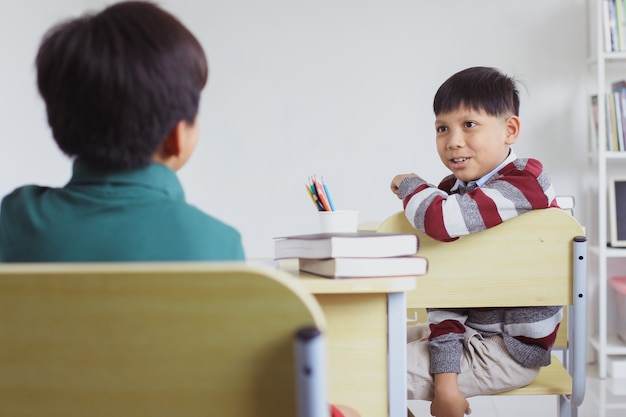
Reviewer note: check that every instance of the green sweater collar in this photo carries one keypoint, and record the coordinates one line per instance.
(155, 176)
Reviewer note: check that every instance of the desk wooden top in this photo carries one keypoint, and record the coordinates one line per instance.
(313, 283)
(321, 285)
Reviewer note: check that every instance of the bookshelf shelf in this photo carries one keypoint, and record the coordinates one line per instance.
(615, 155)
(606, 66)
(614, 56)
(609, 57)
(609, 252)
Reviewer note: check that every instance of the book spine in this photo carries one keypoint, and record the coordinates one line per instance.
(606, 11)
(619, 88)
(618, 121)
(612, 124)
(593, 123)
(613, 25)
(619, 24)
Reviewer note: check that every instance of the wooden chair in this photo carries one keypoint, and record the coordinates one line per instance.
(172, 339)
(536, 259)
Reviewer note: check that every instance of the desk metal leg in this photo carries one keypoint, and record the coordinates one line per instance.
(396, 325)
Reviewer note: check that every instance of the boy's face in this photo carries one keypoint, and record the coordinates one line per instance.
(472, 143)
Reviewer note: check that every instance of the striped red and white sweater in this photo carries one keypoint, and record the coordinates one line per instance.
(446, 213)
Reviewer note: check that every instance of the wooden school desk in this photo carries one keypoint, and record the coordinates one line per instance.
(366, 338)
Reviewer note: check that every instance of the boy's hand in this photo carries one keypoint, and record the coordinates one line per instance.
(395, 183)
(448, 400)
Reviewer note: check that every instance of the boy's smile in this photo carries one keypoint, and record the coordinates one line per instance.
(472, 143)
(459, 163)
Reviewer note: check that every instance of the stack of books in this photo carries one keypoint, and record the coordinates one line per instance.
(354, 255)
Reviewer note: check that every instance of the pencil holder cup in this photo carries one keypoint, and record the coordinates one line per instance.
(338, 221)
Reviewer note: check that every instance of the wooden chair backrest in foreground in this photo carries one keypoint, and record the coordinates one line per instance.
(150, 339)
(535, 259)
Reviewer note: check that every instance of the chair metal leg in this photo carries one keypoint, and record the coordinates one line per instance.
(565, 408)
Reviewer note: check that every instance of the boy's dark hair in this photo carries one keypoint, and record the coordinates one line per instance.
(117, 82)
(478, 88)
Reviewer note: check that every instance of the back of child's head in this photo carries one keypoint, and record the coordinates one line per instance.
(478, 88)
(117, 82)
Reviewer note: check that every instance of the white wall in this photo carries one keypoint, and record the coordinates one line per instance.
(338, 88)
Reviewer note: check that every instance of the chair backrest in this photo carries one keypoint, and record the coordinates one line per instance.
(525, 261)
(535, 259)
(172, 339)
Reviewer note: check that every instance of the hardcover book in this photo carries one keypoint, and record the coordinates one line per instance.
(365, 267)
(346, 245)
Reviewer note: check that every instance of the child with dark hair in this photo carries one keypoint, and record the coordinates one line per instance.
(122, 89)
(466, 352)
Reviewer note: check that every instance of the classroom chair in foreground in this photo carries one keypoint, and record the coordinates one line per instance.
(536, 259)
(152, 339)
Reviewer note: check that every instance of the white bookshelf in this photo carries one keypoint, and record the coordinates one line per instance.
(603, 162)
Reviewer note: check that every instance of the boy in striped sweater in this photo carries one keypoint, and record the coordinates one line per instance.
(476, 351)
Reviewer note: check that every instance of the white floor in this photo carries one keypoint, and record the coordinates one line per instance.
(603, 398)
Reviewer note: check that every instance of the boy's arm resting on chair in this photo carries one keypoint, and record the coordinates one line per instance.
(476, 351)
(452, 210)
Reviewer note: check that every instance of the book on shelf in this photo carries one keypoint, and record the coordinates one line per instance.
(347, 245)
(618, 6)
(614, 23)
(612, 144)
(618, 121)
(365, 267)
(619, 92)
(593, 123)
(607, 25)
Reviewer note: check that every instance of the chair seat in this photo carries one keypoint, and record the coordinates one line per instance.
(552, 380)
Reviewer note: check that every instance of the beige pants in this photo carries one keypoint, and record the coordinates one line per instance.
(486, 366)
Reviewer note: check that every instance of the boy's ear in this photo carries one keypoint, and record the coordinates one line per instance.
(512, 129)
(178, 146)
(172, 145)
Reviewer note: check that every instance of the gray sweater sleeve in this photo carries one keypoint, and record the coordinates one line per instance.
(445, 353)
